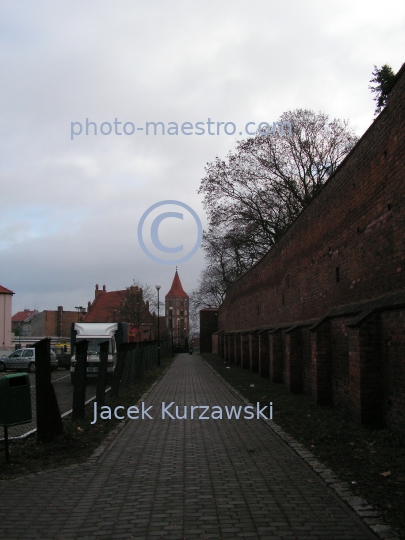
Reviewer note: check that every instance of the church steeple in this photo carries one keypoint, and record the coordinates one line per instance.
(177, 287)
(177, 319)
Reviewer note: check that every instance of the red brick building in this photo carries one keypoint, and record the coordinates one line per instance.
(324, 310)
(106, 308)
(55, 323)
(177, 319)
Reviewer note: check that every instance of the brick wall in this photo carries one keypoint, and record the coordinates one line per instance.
(347, 248)
(53, 323)
(355, 224)
(340, 362)
(353, 358)
(208, 325)
(392, 351)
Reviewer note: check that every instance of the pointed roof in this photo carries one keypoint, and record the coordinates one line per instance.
(3, 290)
(177, 288)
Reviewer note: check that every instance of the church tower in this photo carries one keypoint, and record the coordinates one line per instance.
(177, 318)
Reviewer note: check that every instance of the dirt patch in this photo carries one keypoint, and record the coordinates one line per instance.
(371, 461)
(79, 440)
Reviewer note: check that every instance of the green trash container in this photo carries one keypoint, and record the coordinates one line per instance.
(15, 400)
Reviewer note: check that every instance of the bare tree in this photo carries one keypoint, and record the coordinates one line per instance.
(194, 321)
(255, 194)
(135, 306)
(269, 179)
(210, 291)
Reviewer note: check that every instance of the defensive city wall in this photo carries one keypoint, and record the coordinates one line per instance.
(324, 310)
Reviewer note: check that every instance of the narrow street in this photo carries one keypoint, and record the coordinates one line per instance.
(182, 479)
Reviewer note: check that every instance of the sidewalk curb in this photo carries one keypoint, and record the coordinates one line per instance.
(368, 515)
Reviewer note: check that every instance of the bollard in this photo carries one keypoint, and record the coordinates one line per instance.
(102, 374)
(49, 421)
(79, 387)
(118, 369)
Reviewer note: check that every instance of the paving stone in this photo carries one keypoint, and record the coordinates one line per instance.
(188, 479)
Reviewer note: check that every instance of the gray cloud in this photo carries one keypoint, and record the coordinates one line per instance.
(70, 209)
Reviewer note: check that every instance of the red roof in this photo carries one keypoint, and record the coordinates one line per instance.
(102, 308)
(20, 316)
(177, 288)
(3, 290)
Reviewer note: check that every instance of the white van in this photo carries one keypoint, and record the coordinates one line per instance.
(96, 333)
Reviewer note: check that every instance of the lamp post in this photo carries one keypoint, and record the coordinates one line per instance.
(79, 308)
(171, 326)
(158, 348)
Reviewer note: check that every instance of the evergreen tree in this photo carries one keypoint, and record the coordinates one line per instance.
(383, 79)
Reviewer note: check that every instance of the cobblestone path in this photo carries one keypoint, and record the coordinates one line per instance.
(182, 479)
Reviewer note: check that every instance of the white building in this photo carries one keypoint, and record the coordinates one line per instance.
(5, 317)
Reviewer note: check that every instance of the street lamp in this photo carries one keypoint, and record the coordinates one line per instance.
(171, 326)
(79, 308)
(158, 349)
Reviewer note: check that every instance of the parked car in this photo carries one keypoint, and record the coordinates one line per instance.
(24, 359)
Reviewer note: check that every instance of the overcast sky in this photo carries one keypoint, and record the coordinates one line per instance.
(70, 209)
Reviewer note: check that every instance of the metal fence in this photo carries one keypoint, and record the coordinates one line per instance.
(53, 395)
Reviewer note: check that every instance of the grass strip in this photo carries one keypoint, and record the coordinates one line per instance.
(79, 440)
